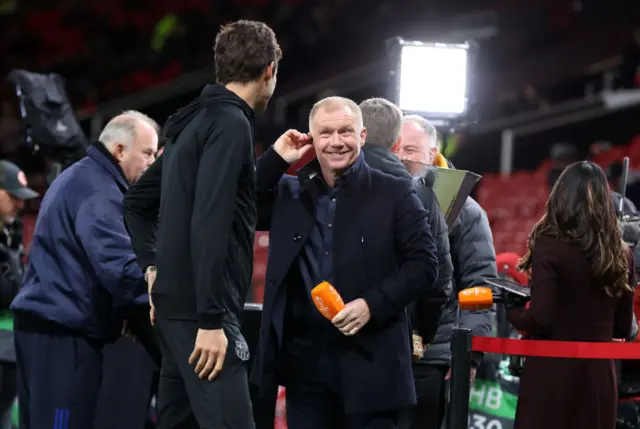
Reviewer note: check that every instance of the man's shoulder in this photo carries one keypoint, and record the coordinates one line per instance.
(289, 185)
(225, 114)
(381, 180)
(471, 208)
(471, 214)
(82, 181)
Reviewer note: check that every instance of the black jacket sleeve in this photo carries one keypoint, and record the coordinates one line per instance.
(224, 153)
(427, 309)
(141, 208)
(416, 253)
(269, 170)
(474, 259)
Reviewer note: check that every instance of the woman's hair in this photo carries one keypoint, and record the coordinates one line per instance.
(580, 212)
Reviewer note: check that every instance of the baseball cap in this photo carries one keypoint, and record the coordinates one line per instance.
(14, 181)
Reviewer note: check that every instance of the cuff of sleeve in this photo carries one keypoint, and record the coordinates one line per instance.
(274, 161)
(374, 300)
(146, 259)
(210, 321)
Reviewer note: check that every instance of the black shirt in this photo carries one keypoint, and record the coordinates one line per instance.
(203, 190)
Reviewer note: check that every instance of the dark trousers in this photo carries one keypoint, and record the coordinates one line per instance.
(184, 400)
(127, 385)
(431, 395)
(58, 380)
(314, 406)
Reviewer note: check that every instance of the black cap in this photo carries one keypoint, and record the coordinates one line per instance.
(14, 181)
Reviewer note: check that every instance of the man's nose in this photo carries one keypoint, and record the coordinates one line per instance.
(336, 140)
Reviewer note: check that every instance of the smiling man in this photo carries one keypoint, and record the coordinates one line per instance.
(367, 234)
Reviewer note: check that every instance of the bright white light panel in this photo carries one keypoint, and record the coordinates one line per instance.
(433, 79)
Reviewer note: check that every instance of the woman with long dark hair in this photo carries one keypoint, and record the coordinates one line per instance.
(582, 281)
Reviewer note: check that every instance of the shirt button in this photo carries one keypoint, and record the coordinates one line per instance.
(326, 253)
(330, 225)
(333, 200)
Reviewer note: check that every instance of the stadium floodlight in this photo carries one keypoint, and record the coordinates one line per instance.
(432, 78)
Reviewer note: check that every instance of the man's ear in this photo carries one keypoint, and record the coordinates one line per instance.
(396, 145)
(270, 72)
(363, 136)
(118, 151)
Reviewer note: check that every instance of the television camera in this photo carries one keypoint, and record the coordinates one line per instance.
(51, 127)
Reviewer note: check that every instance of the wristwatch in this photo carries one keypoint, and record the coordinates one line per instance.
(150, 269)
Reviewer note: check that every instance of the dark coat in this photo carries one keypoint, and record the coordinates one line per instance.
(383, 252)
(567, 306)
(82, 273)
(427, 310)
(474, 259)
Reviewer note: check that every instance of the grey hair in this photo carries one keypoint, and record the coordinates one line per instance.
(383, 121)
(122, 128)
(333, 103)
(427, 127)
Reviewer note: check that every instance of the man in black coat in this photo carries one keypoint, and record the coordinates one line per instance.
(474, 259)
(367, 234)
(383, 121)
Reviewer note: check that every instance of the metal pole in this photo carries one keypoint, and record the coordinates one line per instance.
(460, 379)
(506, 153)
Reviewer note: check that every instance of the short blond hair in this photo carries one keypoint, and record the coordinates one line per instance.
(333, 103)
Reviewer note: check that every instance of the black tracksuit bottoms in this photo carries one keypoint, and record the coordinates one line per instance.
(187, 402)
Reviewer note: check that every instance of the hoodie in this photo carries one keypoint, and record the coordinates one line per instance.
(202, 190)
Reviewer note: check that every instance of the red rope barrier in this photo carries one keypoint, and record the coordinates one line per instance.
(556, 349)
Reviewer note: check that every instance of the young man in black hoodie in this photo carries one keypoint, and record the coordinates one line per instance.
(203, 191)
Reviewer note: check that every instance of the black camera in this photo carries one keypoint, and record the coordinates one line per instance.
(51, 127)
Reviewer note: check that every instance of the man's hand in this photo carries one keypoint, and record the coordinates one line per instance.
(152, 312)
(293, 145)
(151, 279)
(352, 318)
(209, 353)
(472, 376)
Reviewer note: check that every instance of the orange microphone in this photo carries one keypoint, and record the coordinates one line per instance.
(475, 298)
(327, 300)
(479, 298)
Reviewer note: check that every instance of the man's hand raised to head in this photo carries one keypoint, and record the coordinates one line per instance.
(293, 145)
(209, 353)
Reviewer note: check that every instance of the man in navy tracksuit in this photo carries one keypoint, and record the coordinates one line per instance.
(81, 278)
